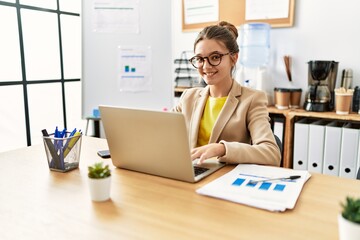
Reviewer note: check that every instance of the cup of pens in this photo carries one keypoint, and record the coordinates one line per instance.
(62, 150)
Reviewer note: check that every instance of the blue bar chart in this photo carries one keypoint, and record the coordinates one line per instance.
(127, 69)
(265, 186)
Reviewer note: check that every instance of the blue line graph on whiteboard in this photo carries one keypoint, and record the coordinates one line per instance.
(134, 68)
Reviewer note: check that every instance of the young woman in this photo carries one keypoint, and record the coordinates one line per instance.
(225, 119)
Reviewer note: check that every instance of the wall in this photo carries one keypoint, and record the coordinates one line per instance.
(323, 30)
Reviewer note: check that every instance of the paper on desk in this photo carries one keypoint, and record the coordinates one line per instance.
(271, 195)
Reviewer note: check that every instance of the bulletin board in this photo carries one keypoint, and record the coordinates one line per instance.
(234, 11)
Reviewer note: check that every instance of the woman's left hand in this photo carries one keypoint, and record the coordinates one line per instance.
(208, 151)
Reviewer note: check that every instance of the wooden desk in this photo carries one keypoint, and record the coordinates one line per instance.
(40, 204)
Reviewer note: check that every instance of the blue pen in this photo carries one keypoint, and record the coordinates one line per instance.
(56, 135)
(67, 142)
(63, 133)
(73, 132)
(59, 146)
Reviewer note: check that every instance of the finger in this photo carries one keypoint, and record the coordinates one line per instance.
(195, 156)
(193, 151)
(202, 158)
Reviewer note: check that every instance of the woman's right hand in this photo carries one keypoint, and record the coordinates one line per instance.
(208, 151)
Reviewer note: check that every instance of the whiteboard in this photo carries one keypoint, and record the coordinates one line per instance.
(100, 64)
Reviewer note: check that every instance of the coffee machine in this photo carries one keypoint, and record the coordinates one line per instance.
(321, 80)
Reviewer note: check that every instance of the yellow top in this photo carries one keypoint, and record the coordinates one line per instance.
(211, 112)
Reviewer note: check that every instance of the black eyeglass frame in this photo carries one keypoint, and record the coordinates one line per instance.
(208, 60)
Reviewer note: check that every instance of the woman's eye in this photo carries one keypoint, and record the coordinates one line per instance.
(215, 57)
(199, 59)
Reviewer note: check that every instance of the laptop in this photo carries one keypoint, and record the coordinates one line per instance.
(152, 142)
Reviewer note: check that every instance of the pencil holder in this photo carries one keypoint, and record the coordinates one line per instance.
(63, 154)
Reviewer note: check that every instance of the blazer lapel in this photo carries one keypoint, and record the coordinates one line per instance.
(226, 113)
(196, 116)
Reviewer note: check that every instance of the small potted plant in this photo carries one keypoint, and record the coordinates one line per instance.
(99, 181)
(349, 219)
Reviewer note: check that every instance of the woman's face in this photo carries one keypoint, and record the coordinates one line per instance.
(214, 75)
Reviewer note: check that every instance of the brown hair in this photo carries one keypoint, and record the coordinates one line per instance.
(224, 32)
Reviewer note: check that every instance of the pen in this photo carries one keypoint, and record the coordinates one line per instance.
(274, 179)
(71, 143)
(55, 158)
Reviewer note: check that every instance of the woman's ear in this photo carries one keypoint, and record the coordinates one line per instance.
(234, 58)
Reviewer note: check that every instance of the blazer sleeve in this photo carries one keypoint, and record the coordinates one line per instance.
(263, 148)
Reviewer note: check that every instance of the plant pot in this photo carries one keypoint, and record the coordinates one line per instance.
(100, 188)
(348, 230)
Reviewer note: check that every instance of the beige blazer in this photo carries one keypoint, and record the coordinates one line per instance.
(243, 124)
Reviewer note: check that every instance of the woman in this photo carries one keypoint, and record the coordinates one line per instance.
(225, 119)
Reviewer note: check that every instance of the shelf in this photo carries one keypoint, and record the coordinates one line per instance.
(180, 89)
(302, 113)
(291, 115)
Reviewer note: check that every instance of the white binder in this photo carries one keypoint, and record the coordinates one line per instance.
(349, 150)
(279, 128)
(332, 147)
(316, 146)
(301, 136)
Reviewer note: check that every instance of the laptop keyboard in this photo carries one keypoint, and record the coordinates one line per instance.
(199, 170)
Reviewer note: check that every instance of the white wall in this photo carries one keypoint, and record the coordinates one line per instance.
(323, 30)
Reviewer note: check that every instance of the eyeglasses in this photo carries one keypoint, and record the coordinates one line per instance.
(214, 59)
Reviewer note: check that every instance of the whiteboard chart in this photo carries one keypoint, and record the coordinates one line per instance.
(110, 76)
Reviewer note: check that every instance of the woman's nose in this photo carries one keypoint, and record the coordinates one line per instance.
(208, 65)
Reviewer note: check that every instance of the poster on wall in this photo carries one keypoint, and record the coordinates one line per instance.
(116, 16)
(199, 11)
(266, 9)
(134, 68)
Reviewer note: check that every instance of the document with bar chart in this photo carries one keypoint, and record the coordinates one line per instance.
(259, 186)
(134, 68)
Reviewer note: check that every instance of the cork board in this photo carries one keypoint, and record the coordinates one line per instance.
(233, 11)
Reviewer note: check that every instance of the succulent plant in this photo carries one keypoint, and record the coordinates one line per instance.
(99, 171)
(351, 209)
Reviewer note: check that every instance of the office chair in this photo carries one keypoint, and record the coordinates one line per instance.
(279, 143)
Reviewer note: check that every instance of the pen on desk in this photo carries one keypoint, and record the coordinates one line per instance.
(274, 179)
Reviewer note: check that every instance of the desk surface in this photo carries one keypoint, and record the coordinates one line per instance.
(40, 204)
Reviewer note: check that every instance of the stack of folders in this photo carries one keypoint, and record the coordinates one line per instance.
(328, 147)
(265, 187)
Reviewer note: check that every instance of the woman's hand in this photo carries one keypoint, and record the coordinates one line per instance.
(208, 151)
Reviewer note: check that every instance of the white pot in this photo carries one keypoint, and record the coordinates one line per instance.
(100, 189)
(348, 230)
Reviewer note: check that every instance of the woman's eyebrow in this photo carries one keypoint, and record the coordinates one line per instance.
(200, 55)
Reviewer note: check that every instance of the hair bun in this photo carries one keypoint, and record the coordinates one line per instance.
(229, 27)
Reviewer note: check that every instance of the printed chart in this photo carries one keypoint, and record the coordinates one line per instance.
(259, 186)
(134, 68)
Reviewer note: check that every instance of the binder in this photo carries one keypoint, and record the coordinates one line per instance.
(316, 146)
(301, 137)
(349, 150)
(279, 128)
(332, 147)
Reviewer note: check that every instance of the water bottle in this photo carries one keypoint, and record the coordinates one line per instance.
(254, 44)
